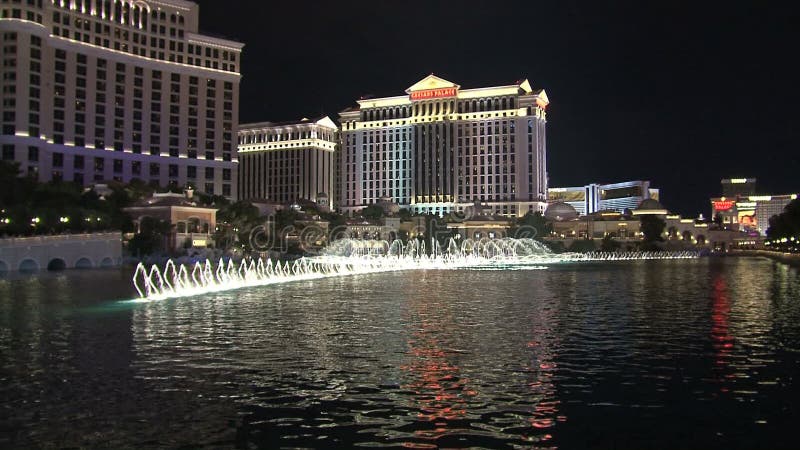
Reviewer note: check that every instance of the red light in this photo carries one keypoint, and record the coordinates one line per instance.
(434, 93)
(723, 205)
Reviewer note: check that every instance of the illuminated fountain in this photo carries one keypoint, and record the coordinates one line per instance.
(353, 256)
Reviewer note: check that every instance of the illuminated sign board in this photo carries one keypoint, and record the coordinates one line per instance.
(199, 243)
(723, 205)
(434, 93)
(747, 220)
(738, 180)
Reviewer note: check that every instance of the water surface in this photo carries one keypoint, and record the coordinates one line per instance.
(649, 354)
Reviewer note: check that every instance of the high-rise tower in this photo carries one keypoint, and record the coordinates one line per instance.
(440, 148)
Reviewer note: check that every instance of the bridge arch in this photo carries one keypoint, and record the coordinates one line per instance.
(107, 262)
(3, 266)
(28, 265)
(56, 264)
(83, 263)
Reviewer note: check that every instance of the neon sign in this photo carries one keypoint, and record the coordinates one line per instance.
(723, 205)
(434, 93)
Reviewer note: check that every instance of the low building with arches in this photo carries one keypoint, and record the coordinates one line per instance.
(59, 252)
(191, 225)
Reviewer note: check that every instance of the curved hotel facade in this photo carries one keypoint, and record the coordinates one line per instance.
(597, 197)
(440, 148)
(101, 90)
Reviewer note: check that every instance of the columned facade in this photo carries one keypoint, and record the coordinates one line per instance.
(101, 90)
(440, 148)
(286, 162)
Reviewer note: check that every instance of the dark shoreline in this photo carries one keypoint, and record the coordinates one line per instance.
(792, 259)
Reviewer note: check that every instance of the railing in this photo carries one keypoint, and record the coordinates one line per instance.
(29, 241)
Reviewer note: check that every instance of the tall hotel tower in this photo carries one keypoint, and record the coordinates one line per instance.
(98, 90)
(441, 148)
(289, 161)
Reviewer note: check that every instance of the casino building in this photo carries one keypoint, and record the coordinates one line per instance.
(741, 209)
(440, 148)
(604, 197)
(101, 90)
(289, 161)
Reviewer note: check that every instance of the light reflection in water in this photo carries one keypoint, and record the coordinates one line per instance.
(438, 387)
(594, 356)
(543, 368)
(722, 341)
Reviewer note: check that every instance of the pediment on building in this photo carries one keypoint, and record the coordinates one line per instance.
(431, 82)
(525, 85)
(327, 122)
(541, 95)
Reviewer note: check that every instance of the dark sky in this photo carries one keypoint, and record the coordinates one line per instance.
(675, 92)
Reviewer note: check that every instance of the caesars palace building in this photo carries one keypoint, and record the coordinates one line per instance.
(440, 149)
(101, 90)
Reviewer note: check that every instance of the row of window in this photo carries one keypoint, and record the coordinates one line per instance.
(285, 176)
(249, 137)
(16, 13)
(138, 44)
(98, 166)
(121, 120)
(439, 107)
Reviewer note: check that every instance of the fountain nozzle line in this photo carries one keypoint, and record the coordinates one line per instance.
(352, 257)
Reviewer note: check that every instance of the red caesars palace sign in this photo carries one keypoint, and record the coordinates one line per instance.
(723, 205)
(434, 93)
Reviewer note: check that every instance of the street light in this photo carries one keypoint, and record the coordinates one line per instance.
(63, 219)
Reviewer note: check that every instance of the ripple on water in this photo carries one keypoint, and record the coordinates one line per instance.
(634, 354)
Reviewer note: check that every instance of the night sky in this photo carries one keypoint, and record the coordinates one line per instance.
(673, 92)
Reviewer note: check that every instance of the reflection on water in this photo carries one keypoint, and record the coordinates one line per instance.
(722, 341)
(648, 354)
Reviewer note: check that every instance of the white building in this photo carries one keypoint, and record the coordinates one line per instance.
(286, 162)
(440, 148)
(97, 90)
(604, 197)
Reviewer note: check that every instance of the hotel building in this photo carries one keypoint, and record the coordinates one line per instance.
(286, 162)
(440, 148)
(738, 187)
(604, 197)
(99, 90)
(750, 214)
(740, 208)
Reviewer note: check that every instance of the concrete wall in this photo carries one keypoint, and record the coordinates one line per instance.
(69, 251)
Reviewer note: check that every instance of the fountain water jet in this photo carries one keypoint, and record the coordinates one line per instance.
(351, 257)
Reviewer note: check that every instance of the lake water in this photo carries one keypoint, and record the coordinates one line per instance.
(649, 354)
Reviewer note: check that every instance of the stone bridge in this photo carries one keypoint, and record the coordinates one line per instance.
(58, 252)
